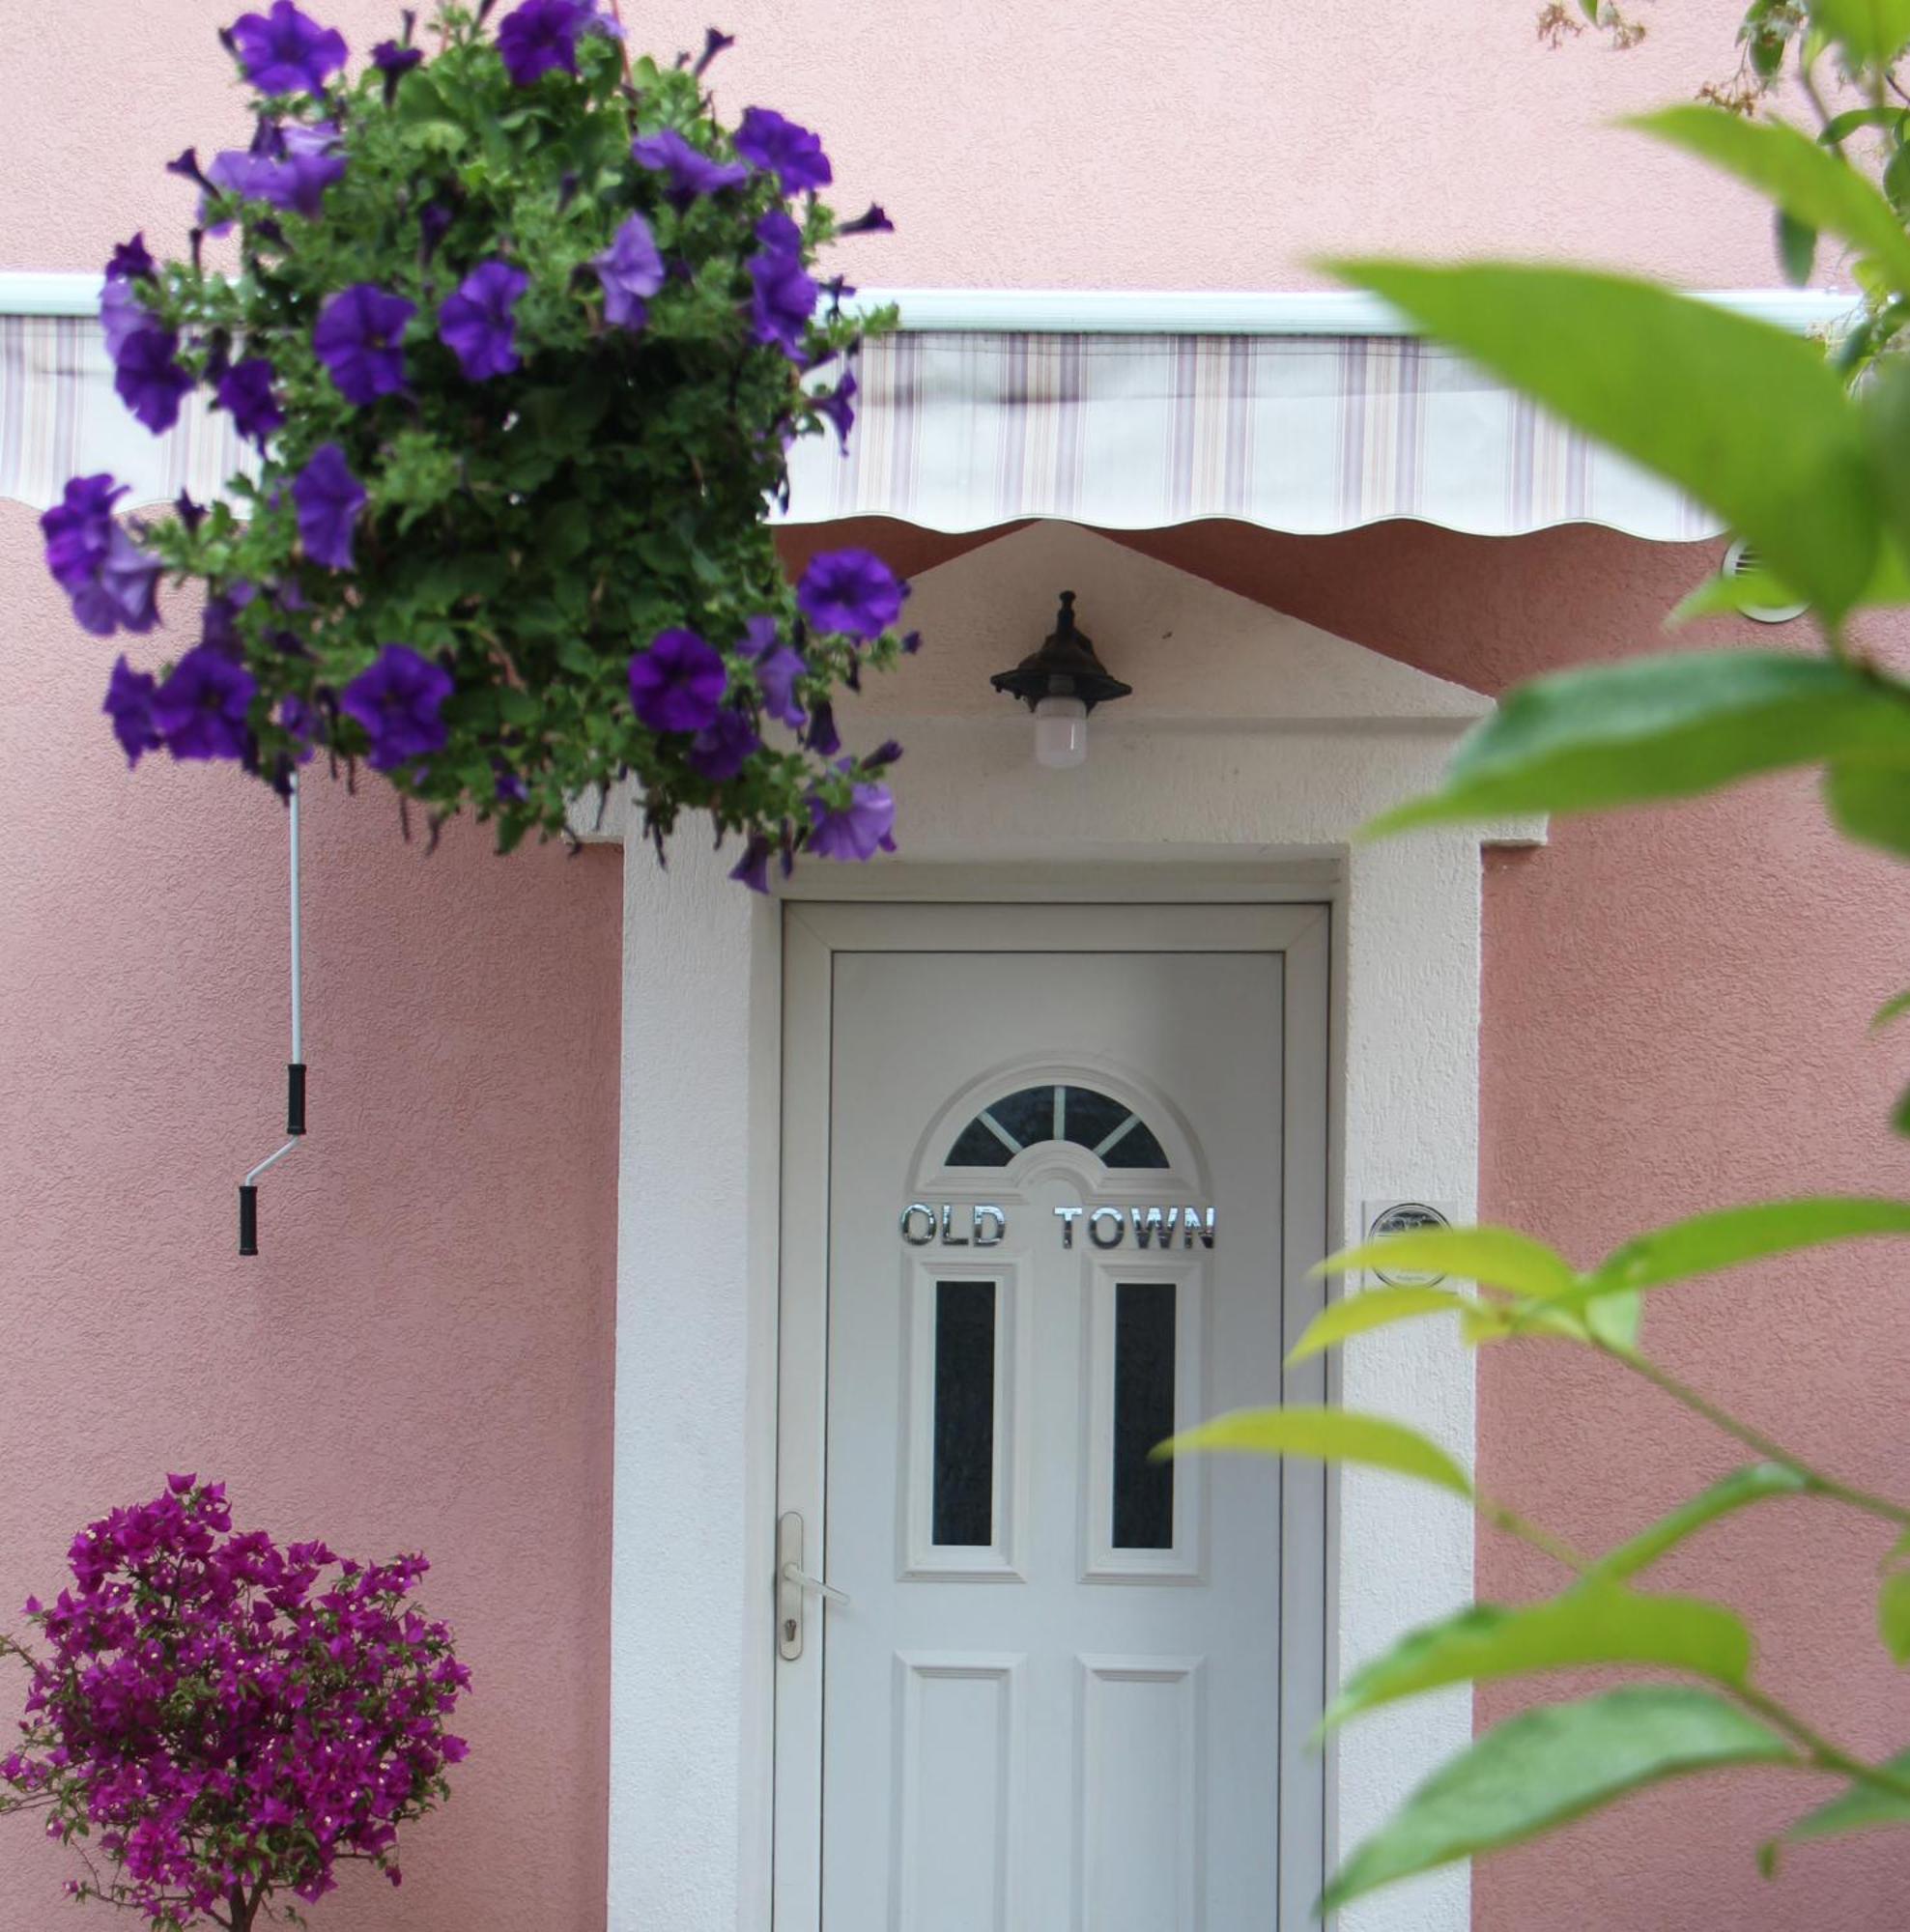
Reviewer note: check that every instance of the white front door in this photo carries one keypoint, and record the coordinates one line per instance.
(1061, 1154)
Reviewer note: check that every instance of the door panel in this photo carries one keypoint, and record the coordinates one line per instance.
(1056, 1231)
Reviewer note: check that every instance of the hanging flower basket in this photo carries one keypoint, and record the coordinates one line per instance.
(522, 334)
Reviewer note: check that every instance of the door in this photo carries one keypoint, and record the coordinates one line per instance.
(1059, 1683)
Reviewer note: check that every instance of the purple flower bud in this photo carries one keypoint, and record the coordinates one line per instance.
(714, 43)
(871, 221)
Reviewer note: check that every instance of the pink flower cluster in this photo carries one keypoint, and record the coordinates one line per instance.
(224, 1720)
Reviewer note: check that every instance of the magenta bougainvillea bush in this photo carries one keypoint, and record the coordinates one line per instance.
(214, 1723)
(521, 333)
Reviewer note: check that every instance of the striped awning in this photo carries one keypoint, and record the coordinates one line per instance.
(1267, 410)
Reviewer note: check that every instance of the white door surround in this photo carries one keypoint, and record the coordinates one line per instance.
(1253, 749)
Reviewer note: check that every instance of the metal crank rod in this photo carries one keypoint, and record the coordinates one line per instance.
(295, 1073)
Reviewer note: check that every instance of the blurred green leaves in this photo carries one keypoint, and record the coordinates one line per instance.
(1548, 1766)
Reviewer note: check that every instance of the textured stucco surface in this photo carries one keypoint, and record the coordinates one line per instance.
(421, 1358)
(1137, 144)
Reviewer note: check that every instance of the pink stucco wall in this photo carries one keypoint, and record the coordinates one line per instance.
(421, 1355)
(1134, 144)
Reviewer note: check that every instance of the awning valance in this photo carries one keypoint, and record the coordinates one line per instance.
(1303, 414)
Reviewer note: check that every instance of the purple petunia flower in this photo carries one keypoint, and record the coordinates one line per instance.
(122, 315)
(392, 61)
(359, 339)
(295, 181)
(783, 300)
(858, 829)
(218, 629)
(285, 52)
(692, 172)
(202, 708)
(838, 405)
(758, 638)
(540, 37)
(147, 375)
(723, 746)
(400, 701)
(328, 499)
(132, 260)
(476, 324)
(677, 683)
(630, 269)
(245, 389)
(779, 147)
(112, 583)
(124, 595)
(79, 529)
(777, 673)
(851, 591)
(779, 233)
(752, 867)
(129, 705)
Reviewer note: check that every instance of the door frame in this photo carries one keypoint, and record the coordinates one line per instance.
(814, 934)
(1247, 790)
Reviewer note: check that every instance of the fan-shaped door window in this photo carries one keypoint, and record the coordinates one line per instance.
(1107, 1127)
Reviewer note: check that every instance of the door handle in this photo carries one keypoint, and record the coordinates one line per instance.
(802, 1580)
(793, 1586)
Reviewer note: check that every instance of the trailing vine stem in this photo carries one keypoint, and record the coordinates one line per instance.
(1771, 1450)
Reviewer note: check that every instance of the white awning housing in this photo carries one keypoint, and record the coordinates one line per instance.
(1306, 413)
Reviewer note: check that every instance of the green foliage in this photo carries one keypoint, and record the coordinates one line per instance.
(1551, 1766)
(1503, 1258)
(1375, 1308)
(1596, 1623)
(1330, 1435)
(1665, 379)
(1492, 1256)
(529, 531)
(1755, 1483)
(1662, 728)
(1862, 1808)
(1893, 1614)
(1804, 450)
(1813, 183)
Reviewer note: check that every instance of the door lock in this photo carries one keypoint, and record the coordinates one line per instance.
(793, 1587)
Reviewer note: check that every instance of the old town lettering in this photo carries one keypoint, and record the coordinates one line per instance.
(984, 1227)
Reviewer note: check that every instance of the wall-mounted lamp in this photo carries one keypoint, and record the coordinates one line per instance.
(1061, 683)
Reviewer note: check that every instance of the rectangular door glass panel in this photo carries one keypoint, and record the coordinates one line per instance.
(963, 1510)
(1143, 1415)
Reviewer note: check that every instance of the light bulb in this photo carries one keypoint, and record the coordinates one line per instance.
(1061, 732)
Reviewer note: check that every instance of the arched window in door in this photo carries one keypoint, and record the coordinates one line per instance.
(1108, 1128)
